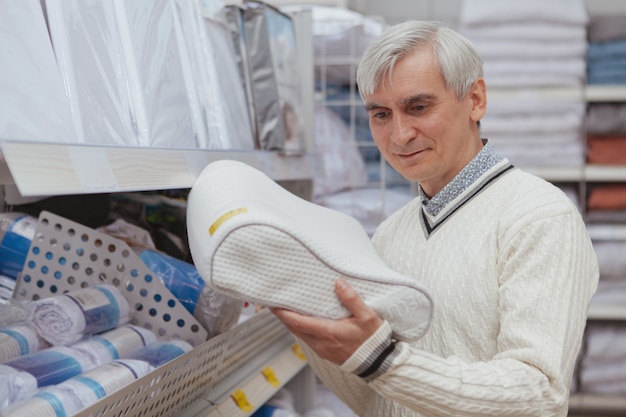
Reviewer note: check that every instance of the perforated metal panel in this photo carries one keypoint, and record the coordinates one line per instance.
(65, 256)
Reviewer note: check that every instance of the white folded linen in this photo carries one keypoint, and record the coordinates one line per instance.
(493, 125)
(487, 12)
(611, 261)
(533, 102)
(505, 48)
(535, 139)
(17, 341)
(115, 344)
(610, 292)
(574, 67)
(605, 343)
(21, 376)
(561, 155)
(593, 373)
(529, 30)
(65, 319)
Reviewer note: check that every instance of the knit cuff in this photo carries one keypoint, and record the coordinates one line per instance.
(374, 356)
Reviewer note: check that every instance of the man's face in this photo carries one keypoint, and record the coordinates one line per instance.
(420, 127)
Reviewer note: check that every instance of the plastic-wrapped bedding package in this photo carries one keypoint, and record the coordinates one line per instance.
(7, 287)
(88, 43)
(218, 86)
(232, 16)
(272, 64)
(47, 402)
(34, 106)
(215, 311)
(21, 377)
(115, 344)
(161, 69)
(18, 340)
(16, 234)
(68, 318)
(79, 392)
(121, 63)
(161, 352)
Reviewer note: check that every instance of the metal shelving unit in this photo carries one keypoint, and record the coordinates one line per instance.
(232, 374)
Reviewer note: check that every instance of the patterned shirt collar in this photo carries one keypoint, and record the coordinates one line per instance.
(486, 159)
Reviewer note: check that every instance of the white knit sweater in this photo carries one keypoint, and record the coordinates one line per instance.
(511, 271)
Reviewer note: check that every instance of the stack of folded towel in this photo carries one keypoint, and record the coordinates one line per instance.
(529, 46)
(603, 365)
(607, 50)
(606, 122)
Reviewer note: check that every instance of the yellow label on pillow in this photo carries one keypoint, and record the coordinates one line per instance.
(217, 223)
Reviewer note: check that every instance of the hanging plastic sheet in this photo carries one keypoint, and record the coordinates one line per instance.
(34, 105)
(158, 64)
(218, 86)
(271, 60)
(121, 62)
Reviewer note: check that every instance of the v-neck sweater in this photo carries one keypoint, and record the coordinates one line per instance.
(511, 271)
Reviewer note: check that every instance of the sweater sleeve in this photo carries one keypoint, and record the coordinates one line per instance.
(547, 275)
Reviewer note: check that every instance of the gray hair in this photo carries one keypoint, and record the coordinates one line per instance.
(458, 61)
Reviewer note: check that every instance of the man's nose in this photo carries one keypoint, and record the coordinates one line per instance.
(403, 129)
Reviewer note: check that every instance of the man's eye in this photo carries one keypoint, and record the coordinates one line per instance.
(379, 115)
(418, 107)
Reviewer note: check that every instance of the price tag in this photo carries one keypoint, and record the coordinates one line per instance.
(269, 374)
(298, 351)
(242, 401)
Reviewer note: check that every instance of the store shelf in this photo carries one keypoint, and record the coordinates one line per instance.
(83, 169)
(607, 312)
(607, 173)
(541, 93)
(557, 174)
(597, 403)
(246, 397)
(605, 93)
(607, 231)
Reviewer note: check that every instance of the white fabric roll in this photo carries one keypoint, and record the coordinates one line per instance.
(91, 386)
(20, 377)
(49, 402)
(17, 341)
(66, 319)
(115, 344)
(15, 385)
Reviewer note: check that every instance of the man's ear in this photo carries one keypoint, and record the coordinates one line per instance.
(478, 97)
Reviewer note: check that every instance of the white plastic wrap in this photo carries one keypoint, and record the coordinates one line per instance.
(156, 63)
(34, 104)
(20, 377)
(65, 319)
(88, 48)
(269, 61)
(217, 83)
(115, 344)
(121, 63)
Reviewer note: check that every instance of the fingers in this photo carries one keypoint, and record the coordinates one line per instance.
(351, 299)
(299, 324)
(367, 318)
